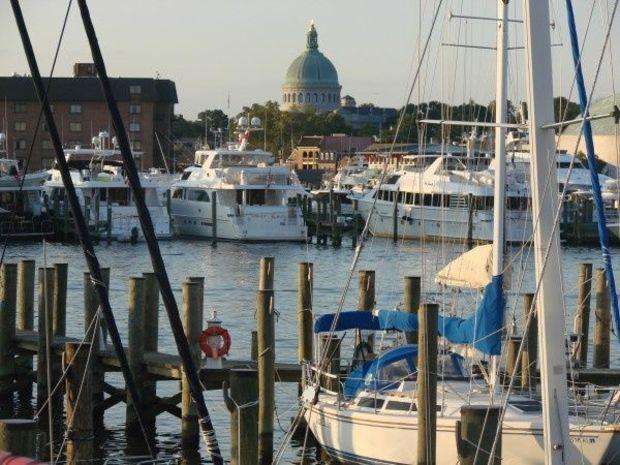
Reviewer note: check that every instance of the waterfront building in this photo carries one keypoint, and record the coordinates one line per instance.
(80, 111)
(606, 140)
(311, 80)
(315, 157)
(366, 115)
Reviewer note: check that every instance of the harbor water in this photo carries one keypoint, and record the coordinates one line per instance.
(231, 280)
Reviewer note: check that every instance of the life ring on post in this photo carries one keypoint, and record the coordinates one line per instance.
(215, 331)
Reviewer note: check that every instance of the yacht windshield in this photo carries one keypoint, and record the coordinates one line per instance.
(235, 160)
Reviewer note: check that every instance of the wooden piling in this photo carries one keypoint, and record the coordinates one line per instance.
(18, 436)
(151, 333)
(475, 435)
(411, 303)
(529, 354)
(304, 311)
(254, 346)
(355, 230)
(366, 298)
(582, 316)
(241, 399)
(8, 307)
(330, 346)
(213, 218)
(469, 242)
(135, 352)
(25, 294)
(45, 334)
(91, 306)
(79, 399)
(192, 325)
(427, 384)
(25, 318)
(59, 308)
(266, 270)
(108, 229)
(266, 374)
(395, 217)
(603, 321)
(513, 364)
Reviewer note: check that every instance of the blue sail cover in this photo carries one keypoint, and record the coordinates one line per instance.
(483, 329)
(367, 374)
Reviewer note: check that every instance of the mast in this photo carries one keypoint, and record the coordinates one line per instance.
(499, 204)
(551, 324)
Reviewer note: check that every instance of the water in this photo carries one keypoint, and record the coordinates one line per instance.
(231, 281)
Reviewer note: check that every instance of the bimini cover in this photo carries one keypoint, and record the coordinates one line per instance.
(473, 269)
(384, 372)
(482, 329)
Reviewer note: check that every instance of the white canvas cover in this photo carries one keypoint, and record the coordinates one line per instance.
(473, 269)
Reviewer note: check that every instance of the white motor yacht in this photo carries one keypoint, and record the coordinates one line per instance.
(250, 198)
(105, 195)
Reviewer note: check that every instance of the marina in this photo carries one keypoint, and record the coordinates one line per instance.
(310, 280)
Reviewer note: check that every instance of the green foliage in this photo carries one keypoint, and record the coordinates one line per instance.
(283, 129)
(565, 110)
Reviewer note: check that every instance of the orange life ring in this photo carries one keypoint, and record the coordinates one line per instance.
(215, 331)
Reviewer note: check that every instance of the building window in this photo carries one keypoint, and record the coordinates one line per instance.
(134, 127)
(323, 98)
(301, 97)
(316, 98)
(294, 96)
(20, 107)
(75, 108)
(136, 145)
(308, 98)
(135, 109)
(47, 144)
(20, 144)
(135, 90)
(20, 126)
(75, 126)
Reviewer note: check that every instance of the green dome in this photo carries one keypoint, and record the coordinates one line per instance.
(312, 68)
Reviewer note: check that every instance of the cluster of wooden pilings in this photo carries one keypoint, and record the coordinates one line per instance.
(325, 220)
(75, 371)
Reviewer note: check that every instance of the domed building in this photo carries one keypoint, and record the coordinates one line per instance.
(311, 80)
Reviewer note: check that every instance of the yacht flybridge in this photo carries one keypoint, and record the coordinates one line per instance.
(238, 194)
(105, 196)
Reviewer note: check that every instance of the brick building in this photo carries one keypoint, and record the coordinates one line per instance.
(326, 153)
(80, 112)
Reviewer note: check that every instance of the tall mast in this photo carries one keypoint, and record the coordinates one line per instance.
(551, 324)
(499, 203)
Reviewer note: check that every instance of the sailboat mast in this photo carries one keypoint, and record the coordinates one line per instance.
(551, 325)
(499, 204)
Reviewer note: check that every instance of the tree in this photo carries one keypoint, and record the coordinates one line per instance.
(564, 109)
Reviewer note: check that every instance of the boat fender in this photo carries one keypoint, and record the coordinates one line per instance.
(215, 331)
(361, 353)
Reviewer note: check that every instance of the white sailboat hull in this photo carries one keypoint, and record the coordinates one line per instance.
(384, 438)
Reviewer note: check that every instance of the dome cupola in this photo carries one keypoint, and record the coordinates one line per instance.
(311, 79)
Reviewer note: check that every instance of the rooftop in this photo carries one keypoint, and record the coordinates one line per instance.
(88, 89)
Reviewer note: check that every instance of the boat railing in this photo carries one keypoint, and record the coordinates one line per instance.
(26, 227)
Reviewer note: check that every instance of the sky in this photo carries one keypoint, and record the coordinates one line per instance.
(240, 48)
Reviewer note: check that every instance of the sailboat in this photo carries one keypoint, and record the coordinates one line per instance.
(370, 415)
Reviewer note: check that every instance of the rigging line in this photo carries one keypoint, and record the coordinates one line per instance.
(206, 424)
(36, 129)
(82, 230)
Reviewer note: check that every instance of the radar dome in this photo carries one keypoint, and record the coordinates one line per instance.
(256, 122)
